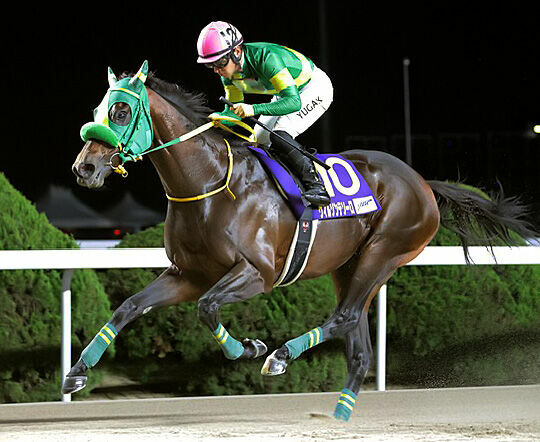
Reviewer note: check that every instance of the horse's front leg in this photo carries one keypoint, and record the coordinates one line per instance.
(168, 289)
(242, 282)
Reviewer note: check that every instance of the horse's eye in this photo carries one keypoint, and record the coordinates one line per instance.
(120, 115)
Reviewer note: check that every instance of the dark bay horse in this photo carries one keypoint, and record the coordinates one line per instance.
(224, 250)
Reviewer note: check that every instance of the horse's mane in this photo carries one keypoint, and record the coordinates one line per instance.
(192, 105)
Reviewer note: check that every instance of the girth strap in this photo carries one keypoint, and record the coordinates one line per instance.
(297, 258)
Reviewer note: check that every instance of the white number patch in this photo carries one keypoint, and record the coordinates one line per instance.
(331, 179)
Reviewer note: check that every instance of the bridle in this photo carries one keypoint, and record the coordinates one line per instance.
(135, 140)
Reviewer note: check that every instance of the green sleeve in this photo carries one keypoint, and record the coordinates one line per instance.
(287, 103)
(289, 100)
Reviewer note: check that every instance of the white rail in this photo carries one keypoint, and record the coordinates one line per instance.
(68, 260)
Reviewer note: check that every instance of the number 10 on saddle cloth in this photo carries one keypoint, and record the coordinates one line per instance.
(349, 192)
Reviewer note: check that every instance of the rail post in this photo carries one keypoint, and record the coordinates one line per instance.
(66, 327)
(381, 338)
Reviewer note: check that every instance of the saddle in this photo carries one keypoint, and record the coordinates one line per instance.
(350, 197)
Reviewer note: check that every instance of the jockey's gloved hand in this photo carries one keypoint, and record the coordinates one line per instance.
(225, 113)
(243, 110)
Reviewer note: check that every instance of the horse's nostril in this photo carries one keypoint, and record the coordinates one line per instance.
(83, 170)
(88, 169)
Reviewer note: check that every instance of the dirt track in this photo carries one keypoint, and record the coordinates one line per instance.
(494, 413)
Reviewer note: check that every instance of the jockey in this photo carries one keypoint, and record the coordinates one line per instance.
(301, 94)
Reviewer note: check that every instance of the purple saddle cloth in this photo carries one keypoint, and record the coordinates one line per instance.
(349, 192)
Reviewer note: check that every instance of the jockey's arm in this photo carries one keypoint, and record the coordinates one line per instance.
(233, 94)
(284, 85)
(274, 70)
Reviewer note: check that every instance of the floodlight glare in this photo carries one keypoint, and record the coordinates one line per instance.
(536, 129)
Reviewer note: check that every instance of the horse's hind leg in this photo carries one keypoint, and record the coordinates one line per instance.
(357, 282)
(359, 352)
(168, 289)
(359, 355)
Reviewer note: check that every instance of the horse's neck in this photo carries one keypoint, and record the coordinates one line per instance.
(190, 168)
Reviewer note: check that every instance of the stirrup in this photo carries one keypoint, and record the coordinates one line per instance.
(317, 195)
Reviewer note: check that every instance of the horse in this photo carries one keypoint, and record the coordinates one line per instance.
(229, 242)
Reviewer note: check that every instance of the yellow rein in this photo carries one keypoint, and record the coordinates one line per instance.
(216, 122)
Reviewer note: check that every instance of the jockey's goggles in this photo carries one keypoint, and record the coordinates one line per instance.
(220, 63)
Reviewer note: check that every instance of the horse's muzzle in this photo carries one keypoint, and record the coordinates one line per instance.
(87, 174)
(83, 170)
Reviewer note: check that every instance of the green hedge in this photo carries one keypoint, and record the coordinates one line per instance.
(433, 311)
(442, 319)
(30, 305)
(429, 310)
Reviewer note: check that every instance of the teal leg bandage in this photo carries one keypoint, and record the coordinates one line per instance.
(300, 344)
(345, 405)
(93, 351)
(232, 348)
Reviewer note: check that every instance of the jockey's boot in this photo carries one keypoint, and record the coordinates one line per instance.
(302, 167)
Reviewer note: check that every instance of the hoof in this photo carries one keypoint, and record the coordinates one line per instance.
(253, 348)
(275, 364)
(342, 416)
(76, 378)
(73, 384)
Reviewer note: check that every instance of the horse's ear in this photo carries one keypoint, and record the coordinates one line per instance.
(112, 78)
(138, 80)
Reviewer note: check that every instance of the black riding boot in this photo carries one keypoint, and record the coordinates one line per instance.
(302, 167)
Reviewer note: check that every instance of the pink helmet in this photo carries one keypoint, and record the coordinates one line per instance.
(217, 39)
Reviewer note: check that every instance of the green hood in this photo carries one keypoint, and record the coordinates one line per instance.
(137, 136)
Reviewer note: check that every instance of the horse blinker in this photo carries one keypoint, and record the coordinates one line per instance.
(135, 137)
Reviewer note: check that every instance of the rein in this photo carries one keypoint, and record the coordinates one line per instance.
(216, 122)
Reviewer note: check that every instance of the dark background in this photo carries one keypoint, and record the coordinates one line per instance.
(474, 83)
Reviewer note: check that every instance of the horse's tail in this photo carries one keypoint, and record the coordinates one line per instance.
(481, 221)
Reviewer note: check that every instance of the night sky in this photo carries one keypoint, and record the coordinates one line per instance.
(474, 70)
